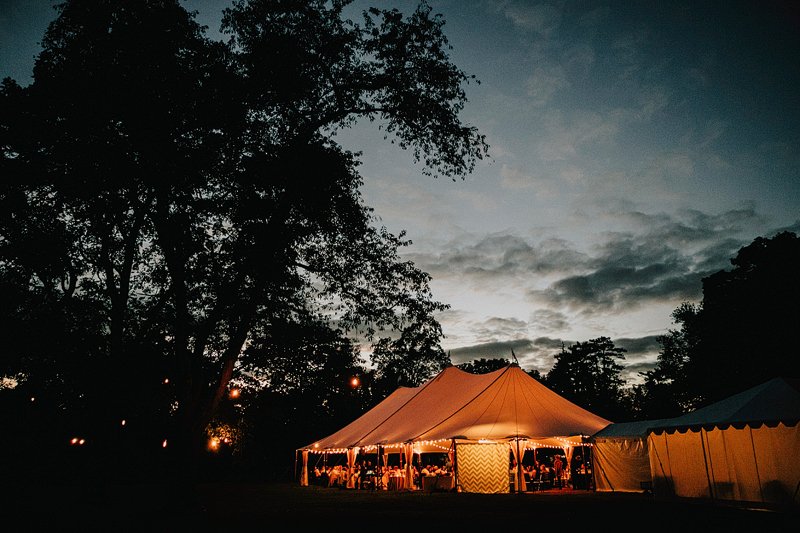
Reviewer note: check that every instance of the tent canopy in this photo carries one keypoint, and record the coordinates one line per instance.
(503, 405)
(639, 428)
(772, 402)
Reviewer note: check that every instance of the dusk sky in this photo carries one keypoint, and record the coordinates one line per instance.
(634, 148)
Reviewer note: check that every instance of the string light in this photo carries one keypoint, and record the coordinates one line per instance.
(370, 447)
(166, 380)
(164, 444)
(529, 445)
(234, 393)
(123, 422)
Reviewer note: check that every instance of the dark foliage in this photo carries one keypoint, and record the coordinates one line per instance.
(175, 210)
(739, 336)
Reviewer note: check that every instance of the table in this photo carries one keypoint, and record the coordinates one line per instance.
(438, 483)
(396, 483)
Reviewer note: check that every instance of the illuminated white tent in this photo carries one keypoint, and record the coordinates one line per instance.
(743, 448)
(505, 411)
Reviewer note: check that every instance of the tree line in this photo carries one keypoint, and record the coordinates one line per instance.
(190, 274)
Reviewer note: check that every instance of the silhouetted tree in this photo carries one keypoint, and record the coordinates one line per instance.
(190, 194)
(588, 374)
(410, 359)
(483, 365)
(749, 317)
(739, 336)
(669, 389)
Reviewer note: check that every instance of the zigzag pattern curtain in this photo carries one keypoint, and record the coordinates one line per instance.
(483, 468)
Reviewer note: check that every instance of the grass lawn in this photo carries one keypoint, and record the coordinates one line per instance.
(265, 506)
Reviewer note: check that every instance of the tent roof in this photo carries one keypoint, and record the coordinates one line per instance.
(639, 428)
(501, 405)
(772, 402)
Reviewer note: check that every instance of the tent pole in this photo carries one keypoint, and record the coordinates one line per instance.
(455, 468)
(706, 456)
(379, 470)
(519, 469)
(755, 460)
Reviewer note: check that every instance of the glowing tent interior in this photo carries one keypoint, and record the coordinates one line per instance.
(505, 412)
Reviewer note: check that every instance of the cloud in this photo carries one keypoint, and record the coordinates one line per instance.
(543, 19)
(539, 354)
(503, 328)
(641, 355)
(565, 136)
(497, 257)
(489, 350)
(533, 354)
(644, 258)
(549, 320)
(544, 83)
(665, 260)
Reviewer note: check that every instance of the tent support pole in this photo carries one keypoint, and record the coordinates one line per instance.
(755, 460)
(519, 469)
(455, 467)
(706, 457)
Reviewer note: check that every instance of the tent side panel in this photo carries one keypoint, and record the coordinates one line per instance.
(678, 465)
(621, 464)
(483, 467)
(776, 452)
(734, 475)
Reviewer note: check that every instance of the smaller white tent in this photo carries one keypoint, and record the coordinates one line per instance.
(620, 457)
(743, 448)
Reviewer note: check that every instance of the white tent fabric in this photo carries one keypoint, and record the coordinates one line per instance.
(501, 405)
(620, 457)
(743, 448)
(504, 406)
(751, 465)
(304, 473)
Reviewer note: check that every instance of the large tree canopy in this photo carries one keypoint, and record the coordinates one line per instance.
(170, 201)
(739, 336)
(588, 373)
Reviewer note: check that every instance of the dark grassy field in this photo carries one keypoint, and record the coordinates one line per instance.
(287, 506)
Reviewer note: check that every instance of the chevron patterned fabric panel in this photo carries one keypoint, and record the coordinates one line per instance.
(483, 467)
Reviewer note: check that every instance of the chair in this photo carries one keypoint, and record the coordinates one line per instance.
(368, 480)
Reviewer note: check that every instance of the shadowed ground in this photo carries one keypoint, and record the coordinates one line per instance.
(287, 506)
